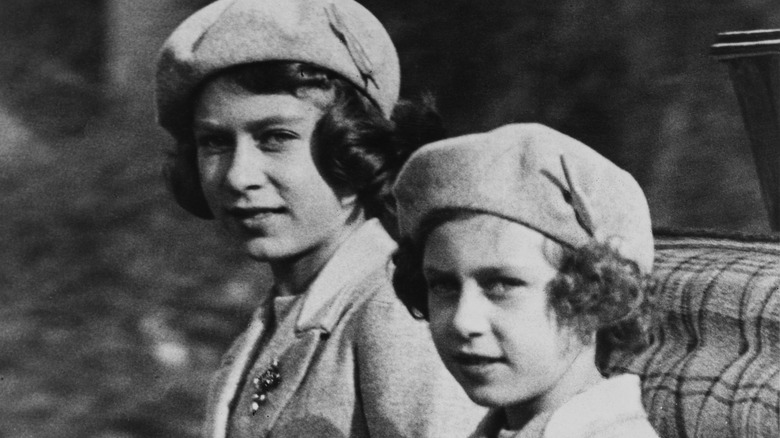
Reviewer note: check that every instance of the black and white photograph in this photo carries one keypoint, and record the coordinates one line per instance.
(389, 219)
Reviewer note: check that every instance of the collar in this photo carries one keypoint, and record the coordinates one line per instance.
(334, 290)
(618, 397)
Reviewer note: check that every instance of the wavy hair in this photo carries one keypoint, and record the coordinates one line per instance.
(356, 148)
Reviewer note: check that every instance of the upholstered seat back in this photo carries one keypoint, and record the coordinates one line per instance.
(713, 369)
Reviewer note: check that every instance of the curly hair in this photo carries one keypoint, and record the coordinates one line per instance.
(599, 291)
(355, 147)
(596, 292)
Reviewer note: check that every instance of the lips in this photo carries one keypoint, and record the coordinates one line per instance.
(476, 360)
(254, 218)
(473, 367)
(253, 212)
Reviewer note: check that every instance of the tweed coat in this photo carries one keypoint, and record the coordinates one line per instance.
(358, 364)
(611, 409)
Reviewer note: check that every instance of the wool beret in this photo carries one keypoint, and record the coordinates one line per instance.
(532, 175)
(338, 35)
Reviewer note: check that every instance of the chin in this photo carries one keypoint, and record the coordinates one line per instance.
(266, 250)
(494, 395)
(486, 397)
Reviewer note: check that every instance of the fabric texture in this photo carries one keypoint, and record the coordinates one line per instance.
(610, 409)
(359, 365)
(339, 35)
(713, 369)
(533, 175)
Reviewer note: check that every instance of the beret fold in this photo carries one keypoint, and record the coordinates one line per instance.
(533, 175)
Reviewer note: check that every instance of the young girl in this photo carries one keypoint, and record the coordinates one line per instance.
(281, 114)
(528, 253)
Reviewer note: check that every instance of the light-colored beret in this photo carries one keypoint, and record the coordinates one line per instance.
(339, 35)
(533, 175)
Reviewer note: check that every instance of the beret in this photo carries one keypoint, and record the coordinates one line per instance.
(338, 35)
(533, 175)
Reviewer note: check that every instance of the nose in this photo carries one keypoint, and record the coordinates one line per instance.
(247, 168)
(469, 319)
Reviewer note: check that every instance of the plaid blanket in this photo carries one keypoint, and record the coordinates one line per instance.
(713, 369)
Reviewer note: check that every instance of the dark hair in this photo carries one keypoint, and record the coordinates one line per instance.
(357, 149)
(599, 291)
(596, 291)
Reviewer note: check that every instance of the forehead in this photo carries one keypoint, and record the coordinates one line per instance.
(482, 240)
(222, 99)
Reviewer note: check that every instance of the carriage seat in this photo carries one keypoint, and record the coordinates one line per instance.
(713, 369)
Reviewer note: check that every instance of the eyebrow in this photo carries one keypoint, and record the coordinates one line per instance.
(487, 271)
(430, 270)
(252, 125)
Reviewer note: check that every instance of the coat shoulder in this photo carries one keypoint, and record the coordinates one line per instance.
(380, 313)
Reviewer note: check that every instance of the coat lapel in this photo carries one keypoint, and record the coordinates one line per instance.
(228, 379)
(328, 298)
(293, 365)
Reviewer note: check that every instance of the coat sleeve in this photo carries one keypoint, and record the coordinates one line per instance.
(404, 389)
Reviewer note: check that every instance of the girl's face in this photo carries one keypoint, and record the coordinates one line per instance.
(489, 315)
(258, 176)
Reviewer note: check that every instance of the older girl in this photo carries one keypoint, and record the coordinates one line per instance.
(528, 252)
(281, 114)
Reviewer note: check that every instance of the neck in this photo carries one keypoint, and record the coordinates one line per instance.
(580, 375)
(293, 276)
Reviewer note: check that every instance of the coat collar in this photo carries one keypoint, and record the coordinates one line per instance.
(332, 293)
(616, 397)
(327, 299)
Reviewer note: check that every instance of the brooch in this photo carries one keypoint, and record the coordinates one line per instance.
(264, 383)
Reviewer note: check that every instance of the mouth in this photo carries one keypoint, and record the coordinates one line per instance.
(475, 369)
(476, 361)
(472, 368)
(254, 219)
(242, 213)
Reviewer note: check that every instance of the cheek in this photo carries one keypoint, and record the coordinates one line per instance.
(315, 199)
(321, 192)
(299, 176)
(569, 343)
(210, 171)
(525, 326)
(438, 320)
(314, 207)
(538, 339)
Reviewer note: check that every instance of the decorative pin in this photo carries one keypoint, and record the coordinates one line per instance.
(579, 201)
(264, 383)
(355, 49)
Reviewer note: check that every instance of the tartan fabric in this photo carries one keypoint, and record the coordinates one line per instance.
(713, 369)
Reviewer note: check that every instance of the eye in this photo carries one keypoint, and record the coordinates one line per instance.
(442, 288)
(213, 143)
(276, 140)
(502, 287)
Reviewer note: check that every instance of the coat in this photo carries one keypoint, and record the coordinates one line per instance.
(358, 365)
(610, 409)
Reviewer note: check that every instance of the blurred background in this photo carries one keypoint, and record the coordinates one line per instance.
(116, 305)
